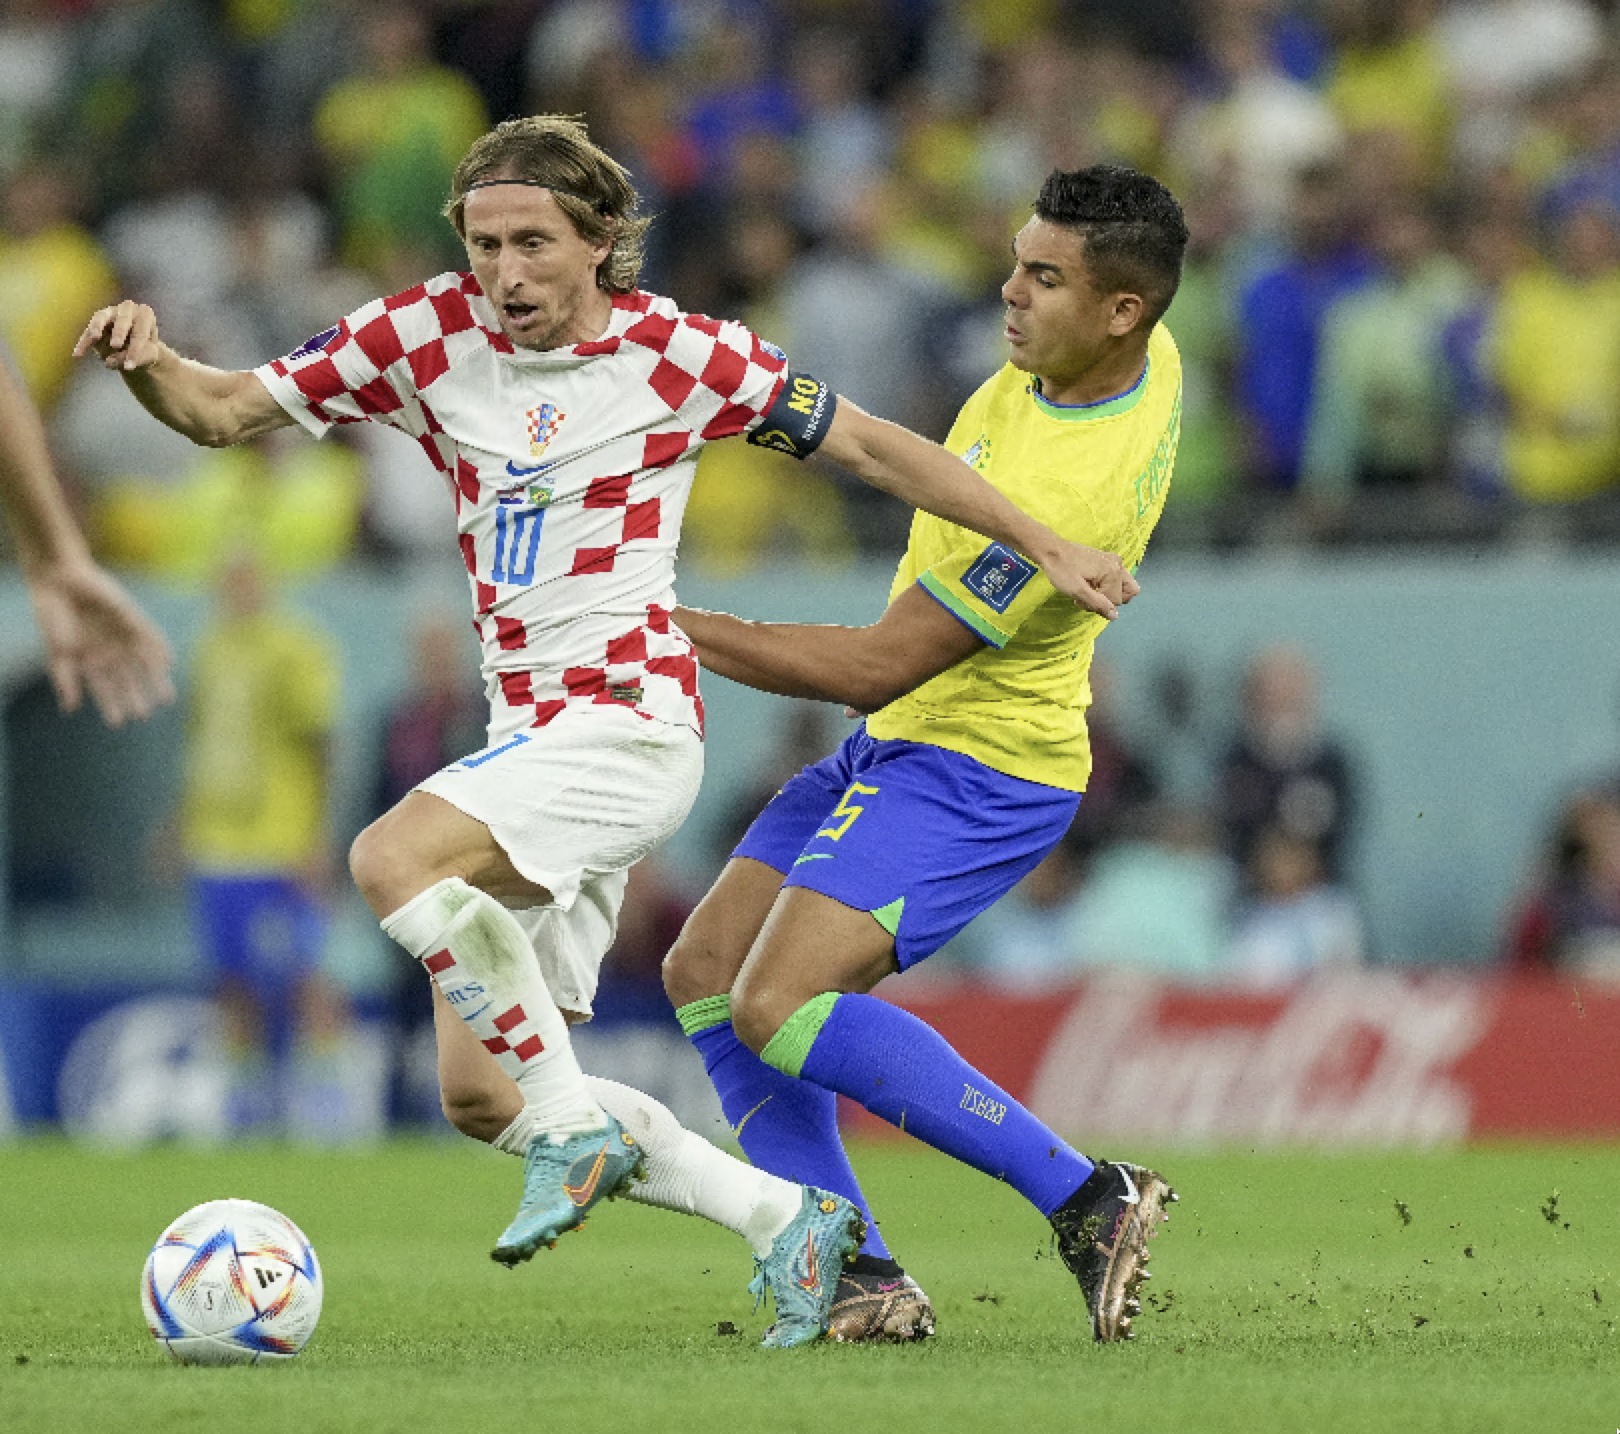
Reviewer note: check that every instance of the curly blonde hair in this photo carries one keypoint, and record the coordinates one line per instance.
(591, 187)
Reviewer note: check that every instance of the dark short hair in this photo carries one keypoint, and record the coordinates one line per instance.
(591, 187)
(1134, 230)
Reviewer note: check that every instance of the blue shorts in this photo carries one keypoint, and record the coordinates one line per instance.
(922, 837)
(266, 931)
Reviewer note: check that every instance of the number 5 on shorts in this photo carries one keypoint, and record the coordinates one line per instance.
(845, 810)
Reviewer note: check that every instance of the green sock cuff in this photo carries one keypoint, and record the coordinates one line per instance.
(698, 1016)
(789, 1048)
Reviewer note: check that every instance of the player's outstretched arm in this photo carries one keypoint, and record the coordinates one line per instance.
(95, 635)
(863, 667)
(213, 407)
(929, 477)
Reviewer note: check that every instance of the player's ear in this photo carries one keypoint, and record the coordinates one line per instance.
(1127, 314)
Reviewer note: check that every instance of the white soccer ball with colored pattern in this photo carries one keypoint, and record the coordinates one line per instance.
(232, 1282)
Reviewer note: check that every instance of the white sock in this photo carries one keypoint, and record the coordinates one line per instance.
(481, 959)
(684, 1171)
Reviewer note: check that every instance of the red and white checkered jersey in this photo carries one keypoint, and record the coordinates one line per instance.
(570, 469)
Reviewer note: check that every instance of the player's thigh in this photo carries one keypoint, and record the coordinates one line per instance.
(424, 839)
(719, 933)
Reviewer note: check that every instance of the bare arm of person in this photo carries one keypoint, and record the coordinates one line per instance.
(96, 637)
(931, 478)
(212, 407)
(863, 667)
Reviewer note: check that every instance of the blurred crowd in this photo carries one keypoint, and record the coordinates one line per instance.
(1401, 315)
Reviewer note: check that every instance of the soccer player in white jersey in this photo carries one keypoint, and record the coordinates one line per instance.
(565, 409)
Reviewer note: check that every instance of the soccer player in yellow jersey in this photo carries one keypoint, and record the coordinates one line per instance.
(966, 772)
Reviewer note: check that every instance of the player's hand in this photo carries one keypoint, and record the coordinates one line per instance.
(124, 336)
(1094, 580)
(97, 638)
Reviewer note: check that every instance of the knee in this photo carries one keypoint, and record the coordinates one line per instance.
(368, 865)
(694, 969)
(386, 866)
(756, 1015)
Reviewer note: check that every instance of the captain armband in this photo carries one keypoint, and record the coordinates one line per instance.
(799, 419)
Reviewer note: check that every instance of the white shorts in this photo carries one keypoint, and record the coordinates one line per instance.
(575, 804)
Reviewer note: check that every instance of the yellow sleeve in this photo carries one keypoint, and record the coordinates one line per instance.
(989, 588)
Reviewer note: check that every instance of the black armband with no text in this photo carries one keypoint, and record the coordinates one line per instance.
(799, 419)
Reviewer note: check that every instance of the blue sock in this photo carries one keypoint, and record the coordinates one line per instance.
(904, 1071)
(788, 1127)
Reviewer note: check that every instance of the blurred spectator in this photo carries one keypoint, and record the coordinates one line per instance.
(36, 54)
(803, 736)
(1495, 247)
(1282, 773)
(1281, 310)
(1380, 405)
(1296, 922)
(1204, 319)
(389, 134)
(53, 273)
(859, 320)
(1389, 79)
(1029, 943)
(1556, 357)
(654, 911)
(1499, 53)
(847, 140)
(439, 715)
(1572, 919)
(1122, 793)
(1158, 904)
(255, 840)
(298, 505)
(1256, 124)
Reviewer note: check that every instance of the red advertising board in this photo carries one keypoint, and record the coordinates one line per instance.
(1382, 1059)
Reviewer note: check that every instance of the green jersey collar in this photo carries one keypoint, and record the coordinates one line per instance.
(1102, 408)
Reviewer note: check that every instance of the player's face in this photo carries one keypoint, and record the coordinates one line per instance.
(1060, 326)
(535, 268)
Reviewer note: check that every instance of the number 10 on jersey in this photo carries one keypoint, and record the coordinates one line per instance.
(514, 525)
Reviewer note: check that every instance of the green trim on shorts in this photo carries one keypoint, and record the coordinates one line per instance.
(789, 1048)
(697, 1016)
(888, 917)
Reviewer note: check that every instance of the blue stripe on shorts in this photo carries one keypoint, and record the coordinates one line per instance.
(925, 837)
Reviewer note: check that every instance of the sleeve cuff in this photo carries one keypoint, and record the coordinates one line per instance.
(285, 392)
(965, 615)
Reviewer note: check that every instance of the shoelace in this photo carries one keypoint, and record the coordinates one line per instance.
(759, 1284)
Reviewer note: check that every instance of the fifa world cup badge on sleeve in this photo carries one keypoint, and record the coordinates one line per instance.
(997, 576)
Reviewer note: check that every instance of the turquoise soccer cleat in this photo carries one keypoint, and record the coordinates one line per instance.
(801, 1272)
(562, 1182)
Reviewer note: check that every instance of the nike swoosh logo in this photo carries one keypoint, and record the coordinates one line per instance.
(814, 856)
(580, 1194)
(517, 472)
(811, 1279)
(1133, 1198)
(737, 1129)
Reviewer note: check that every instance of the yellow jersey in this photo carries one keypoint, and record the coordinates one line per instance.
(264, 699)
(1094, 473)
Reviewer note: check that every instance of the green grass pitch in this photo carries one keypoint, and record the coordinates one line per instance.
(1468, 1291)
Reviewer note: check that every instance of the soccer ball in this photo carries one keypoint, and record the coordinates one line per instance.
(231, 1282)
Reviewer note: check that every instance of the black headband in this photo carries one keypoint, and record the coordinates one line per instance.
(598, 206)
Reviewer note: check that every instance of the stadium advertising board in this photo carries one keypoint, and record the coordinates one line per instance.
(1365, 1060)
